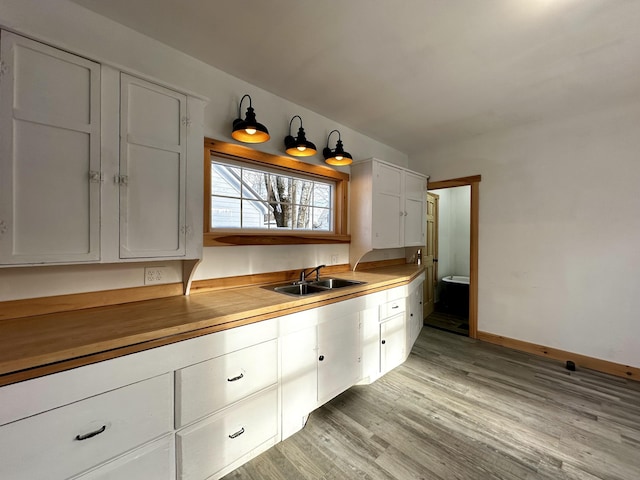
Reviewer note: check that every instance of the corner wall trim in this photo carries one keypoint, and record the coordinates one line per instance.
(591, 363)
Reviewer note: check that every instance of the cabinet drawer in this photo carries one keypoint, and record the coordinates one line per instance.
(71, 439)
(207, 387)
(392, 308)
(154, 461)
(215, 442)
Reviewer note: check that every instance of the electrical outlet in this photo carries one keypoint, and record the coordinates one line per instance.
(154, 275)
(334, 259)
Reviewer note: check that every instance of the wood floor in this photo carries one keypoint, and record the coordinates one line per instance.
(463, 409)
(449, 322)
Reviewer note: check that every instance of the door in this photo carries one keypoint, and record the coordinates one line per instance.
(430, 258)
(152, 170)
(49, 154)
(338, 355)
(388, 209)
(393, 341)
(415, 187)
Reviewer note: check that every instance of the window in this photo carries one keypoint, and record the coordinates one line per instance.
(249, 198)
(257, 198)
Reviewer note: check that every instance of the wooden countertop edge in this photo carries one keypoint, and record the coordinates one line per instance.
(28, 367)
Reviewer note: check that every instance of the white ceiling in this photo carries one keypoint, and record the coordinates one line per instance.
(411, 73)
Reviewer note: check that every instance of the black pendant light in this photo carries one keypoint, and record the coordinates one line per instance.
(299, 146)
(249, 130)
(337, 156)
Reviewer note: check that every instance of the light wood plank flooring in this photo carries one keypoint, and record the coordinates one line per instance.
(449, 322)
(463, 409)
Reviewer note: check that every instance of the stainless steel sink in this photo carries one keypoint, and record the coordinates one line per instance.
(299, 290)
(335, 283)
(318, 286)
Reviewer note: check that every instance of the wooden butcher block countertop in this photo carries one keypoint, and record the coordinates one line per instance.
(34, 346)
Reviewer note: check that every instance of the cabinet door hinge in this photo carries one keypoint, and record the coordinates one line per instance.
(186, 121)
(3, 227)
(121, 179)
(95, 177)
(186, 230)
(4, 68)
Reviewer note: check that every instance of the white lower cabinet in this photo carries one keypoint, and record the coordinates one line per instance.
(198, 409)
(205, 448)
(320, 358)
(154, 461)
(68, 440)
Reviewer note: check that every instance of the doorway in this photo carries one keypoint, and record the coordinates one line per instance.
(432, 279)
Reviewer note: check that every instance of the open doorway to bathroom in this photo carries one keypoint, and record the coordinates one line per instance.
(452, 255)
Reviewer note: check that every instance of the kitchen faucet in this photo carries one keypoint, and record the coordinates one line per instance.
(303, 275)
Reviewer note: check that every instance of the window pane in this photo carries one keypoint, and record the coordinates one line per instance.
(225, 212)
(301, 217)
(281, 188)
(281, 215)
(225, 180)
(322, 195)
(302, 191)
(255, 214)
(322, 219)
(254, 184)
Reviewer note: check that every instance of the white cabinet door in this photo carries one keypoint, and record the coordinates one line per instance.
(152, 178)
(338, 355)
(388, 208)
(49, 154)
(393, 340)
(414, 320)
(370, 338)
(415, 191)
(299, 378)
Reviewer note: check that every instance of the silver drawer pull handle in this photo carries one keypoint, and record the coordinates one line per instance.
(395, 306)
(235, 378)
(91, 434)
(237, 434)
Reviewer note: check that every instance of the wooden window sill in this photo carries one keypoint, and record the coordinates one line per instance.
(231, 237)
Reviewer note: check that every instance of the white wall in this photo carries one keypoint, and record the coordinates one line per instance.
(559, 230)
(69, 26)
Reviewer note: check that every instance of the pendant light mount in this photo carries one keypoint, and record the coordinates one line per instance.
(299, 146)
(337, 156)
(249, 130)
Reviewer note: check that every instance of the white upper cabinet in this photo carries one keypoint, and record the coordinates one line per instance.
(387, 207)
(50, 154)
(153, 156)
(96, 165)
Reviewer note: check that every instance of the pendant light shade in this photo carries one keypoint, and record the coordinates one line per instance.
(249, 130)
(299, 146)
(337, 156)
